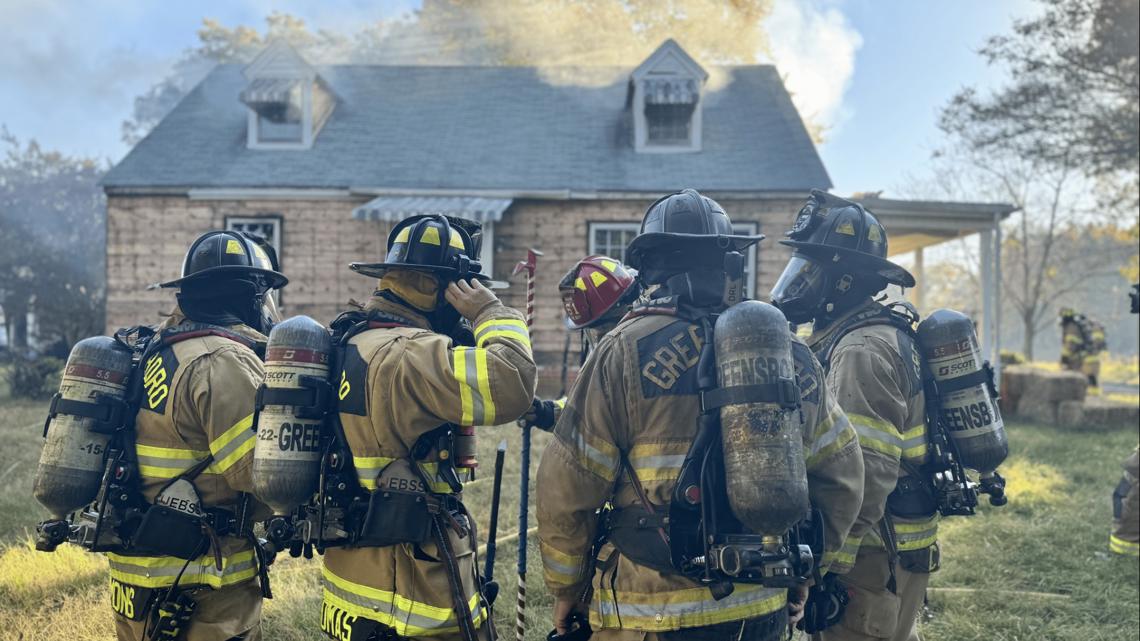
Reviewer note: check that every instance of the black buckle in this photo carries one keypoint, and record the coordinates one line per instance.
(108, 412)
(308, 401)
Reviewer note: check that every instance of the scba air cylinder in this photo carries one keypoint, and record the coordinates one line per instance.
(287, 454)
(968, 408)
(764, 468)
(71, 464)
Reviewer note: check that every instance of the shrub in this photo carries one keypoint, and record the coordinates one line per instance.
(34, 378)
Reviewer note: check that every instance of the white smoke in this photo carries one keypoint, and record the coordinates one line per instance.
(813, 47)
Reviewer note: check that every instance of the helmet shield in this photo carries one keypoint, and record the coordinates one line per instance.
(800, 289)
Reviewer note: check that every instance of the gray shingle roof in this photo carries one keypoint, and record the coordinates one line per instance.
(478, 128)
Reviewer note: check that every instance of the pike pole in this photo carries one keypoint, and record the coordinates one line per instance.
(524, 480)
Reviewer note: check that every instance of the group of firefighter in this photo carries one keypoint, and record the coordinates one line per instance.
(710, 476)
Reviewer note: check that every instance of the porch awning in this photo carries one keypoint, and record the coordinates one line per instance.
(395, 208)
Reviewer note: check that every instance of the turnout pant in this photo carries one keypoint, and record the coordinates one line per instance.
(874, 613)
(232, 613)
(1125, 537)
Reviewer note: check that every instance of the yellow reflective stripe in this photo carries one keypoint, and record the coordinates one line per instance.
(368, 467)
(233, 444)
(877, 435)
(169, 462)
(405, 616)
(484, 379)
(842, 560)
(1120, 546)
(476, 405)
(510, 328)
(559, 568)
(914, 442)
(658, 461)
(916, 535)
(162, 571)
(832, 434)
(685, 608)
(560, 403)
(596, 455)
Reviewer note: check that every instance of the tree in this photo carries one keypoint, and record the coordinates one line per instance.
(52, 248)
(1073, 98)
(543, 33)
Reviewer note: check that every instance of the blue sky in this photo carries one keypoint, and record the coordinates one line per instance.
(876, 70)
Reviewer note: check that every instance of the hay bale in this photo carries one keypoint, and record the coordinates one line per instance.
(1062, 386)
(1071, 414)
(1014, 379)
(1101, 413)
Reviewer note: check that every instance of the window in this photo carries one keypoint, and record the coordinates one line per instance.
(286, 129)
(748, 229)
(610, 239)
(266, 227)
(669, 124)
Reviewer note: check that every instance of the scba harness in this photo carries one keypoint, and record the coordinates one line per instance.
(697, 535)
(121, 520)
(409, 504)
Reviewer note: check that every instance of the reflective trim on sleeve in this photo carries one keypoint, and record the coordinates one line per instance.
(509, 328)
(560, 404)
(833, 433)
(916, 535)
(161, 571)
(658, 461)
(477, 406)
(558, 568)
(914, 446)
(842, 560)
(233, 444)
(368, 470)
(1120, 546)
(595, 455)
(406, 617)
(685, 608)
(168, 462)
(877, 435)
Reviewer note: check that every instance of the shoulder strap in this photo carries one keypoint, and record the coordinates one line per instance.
(901, 316)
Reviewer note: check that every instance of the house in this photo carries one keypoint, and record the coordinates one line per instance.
(322, 160)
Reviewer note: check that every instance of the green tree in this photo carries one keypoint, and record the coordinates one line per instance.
(1073, 95)
(52, 246)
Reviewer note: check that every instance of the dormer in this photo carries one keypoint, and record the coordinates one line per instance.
(667, 101)
(288, 101)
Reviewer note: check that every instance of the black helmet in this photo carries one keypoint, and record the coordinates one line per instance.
(229, 254)
(840, 258)
(686, 221)
(430, 243)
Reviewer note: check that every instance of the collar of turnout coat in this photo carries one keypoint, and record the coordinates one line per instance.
(869, 308)
(402, 312)
(177, 317)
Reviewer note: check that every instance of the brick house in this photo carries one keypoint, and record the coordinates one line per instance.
(322, 161)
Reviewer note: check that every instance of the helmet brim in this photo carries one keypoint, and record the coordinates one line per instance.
(276, 280)
(378, 270)
(697, 242)
(894, 274)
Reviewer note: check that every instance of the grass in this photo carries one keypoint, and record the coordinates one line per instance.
(1036, 569)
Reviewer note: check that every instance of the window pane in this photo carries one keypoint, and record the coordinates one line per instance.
(271, 130)
(669, 124)
(610, 239)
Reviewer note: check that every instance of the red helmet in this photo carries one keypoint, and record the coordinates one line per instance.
(592, 288)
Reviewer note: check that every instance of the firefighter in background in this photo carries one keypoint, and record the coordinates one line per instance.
(1125, 537)
(596, 293)
(404, 387)
(873, 369)
(627, 428)
(1082, 341)
(195, 445)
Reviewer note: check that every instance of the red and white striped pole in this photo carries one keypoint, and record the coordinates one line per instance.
(524, 481)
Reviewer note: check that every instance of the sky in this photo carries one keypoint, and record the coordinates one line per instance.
(874, 72)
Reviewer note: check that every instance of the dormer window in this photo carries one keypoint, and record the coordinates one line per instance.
(666, 101)
(288, 102)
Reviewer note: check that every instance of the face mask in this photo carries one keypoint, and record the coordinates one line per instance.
(419, 289)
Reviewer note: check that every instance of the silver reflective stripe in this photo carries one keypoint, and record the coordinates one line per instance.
(837, 427)
(471, 373)
(658, 461)
(392, 614)
(739, 598)
(203, 566)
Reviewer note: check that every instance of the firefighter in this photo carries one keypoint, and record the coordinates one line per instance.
(1082, 341)
(405, 390)
(873, 369)
(1125, 537)
(596, 293)
(627, 429)
(195, 449)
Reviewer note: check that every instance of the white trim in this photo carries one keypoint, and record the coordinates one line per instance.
(253, 126)
(591, 227)
(487, 256)
(270, 194)
(749, 228)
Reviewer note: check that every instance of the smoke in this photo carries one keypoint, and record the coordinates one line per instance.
(814, 48)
